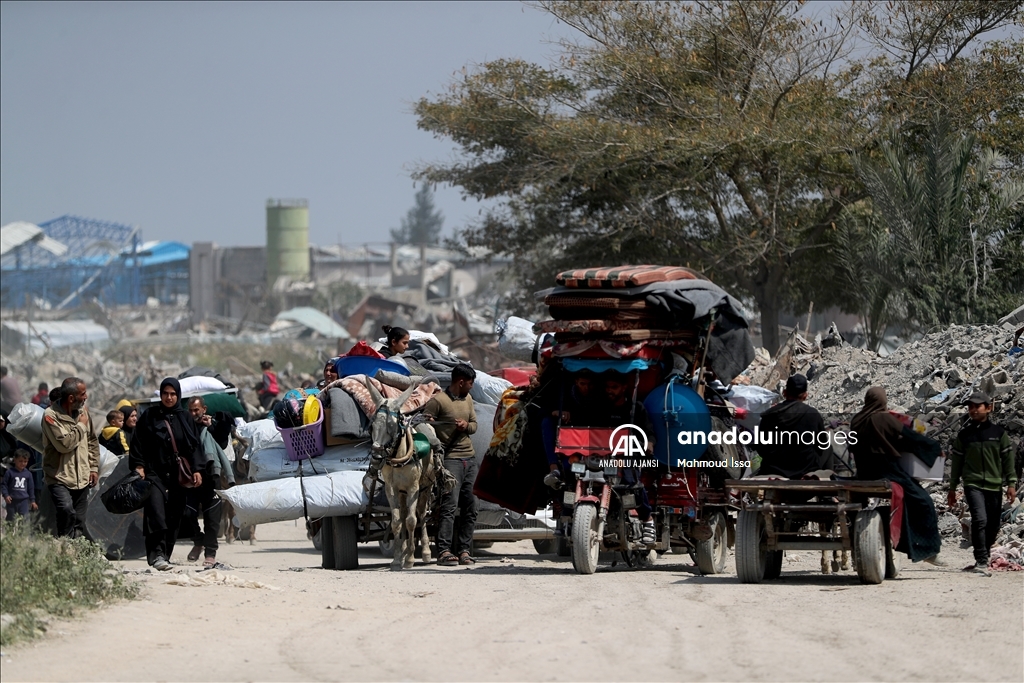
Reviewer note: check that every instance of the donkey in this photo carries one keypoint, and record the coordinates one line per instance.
(408, 480)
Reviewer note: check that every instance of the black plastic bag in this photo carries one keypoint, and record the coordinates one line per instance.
(128, 495)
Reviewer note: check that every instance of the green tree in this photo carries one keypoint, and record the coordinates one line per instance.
(719, 135)
(422, 223)
(941, 242)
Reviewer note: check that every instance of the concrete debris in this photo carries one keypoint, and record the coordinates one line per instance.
(928, 379)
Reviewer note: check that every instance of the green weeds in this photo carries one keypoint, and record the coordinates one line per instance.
(43, 577)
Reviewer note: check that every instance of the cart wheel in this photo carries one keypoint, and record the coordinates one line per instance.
(869, 540)
(586, 546)
(345, 542)
(751, 547)
(711, 554)
(327, 543)
(546, 546)
(387, 546)
(317, 539)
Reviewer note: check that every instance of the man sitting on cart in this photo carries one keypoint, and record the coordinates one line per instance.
(576, 407)
(621, 409)
(787, 456)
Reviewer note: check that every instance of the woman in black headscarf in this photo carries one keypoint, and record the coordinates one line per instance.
(131, 419)
(880, 440)
(164, 432)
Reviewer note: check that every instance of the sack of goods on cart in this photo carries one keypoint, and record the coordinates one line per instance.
(316, 432)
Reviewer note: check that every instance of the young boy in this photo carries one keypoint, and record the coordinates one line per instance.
(19, 488)
(112, 436)
(982, 456)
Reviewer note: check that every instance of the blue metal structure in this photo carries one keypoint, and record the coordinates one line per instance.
(105, 260)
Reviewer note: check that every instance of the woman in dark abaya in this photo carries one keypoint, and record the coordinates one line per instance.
(163, 432)
(880, 440)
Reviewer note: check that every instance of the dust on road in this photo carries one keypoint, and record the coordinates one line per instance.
(520, 616)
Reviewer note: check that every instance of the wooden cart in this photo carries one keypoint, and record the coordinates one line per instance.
(847, 515)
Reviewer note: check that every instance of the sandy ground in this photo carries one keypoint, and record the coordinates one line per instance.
(520, 616)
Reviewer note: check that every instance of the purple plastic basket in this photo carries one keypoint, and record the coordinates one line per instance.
(305, 442)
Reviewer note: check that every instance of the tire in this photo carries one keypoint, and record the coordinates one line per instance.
(327, 543)
(869, 540)
(751, 547)
(387, 546)
(546, 546)
(346, 542)
(317, 539)
(563, 549)
(712, 553)
(586, 546)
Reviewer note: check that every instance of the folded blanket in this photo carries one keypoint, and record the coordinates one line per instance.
(355, 385)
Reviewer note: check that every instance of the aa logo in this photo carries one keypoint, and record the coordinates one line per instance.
(628, 441)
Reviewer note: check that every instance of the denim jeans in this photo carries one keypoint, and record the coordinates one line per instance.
(460, 498)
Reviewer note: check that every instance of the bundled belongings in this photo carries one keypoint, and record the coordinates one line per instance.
(296, 408)
(604, 304)
(127, 495)
(640, 354)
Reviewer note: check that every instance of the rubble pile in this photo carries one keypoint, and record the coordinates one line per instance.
(928, 379)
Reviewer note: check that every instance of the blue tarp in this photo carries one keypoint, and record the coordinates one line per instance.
(604, 365)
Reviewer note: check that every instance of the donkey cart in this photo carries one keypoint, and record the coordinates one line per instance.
(847, 515)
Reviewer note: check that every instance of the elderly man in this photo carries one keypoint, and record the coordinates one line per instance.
(204, 498)
(71, 456)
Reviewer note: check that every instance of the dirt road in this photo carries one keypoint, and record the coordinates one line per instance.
(520, 616)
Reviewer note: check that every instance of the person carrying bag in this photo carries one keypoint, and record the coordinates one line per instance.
(166, 451)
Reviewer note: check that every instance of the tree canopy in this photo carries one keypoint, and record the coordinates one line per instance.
(422, 223)
(714, 134)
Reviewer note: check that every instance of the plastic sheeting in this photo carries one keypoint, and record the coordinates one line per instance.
(333, 495)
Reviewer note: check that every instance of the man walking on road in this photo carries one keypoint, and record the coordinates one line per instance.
(454, 422)
(983, 457)
(71, 456)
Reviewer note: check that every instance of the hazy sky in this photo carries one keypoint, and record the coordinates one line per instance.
(185, 118)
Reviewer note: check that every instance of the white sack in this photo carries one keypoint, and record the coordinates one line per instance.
(332, 495)
(198, 385)
(260, 434)
(25, 423)
(516, 339)
(488, 388)
(272, 462)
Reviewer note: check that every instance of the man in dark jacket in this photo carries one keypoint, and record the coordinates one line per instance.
(794, 428)
(982, 457)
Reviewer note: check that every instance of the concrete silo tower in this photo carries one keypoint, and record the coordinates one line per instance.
(287, 239)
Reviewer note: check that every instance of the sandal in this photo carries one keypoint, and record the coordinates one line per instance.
(447, 559)
(464, 558)
(210, 561)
